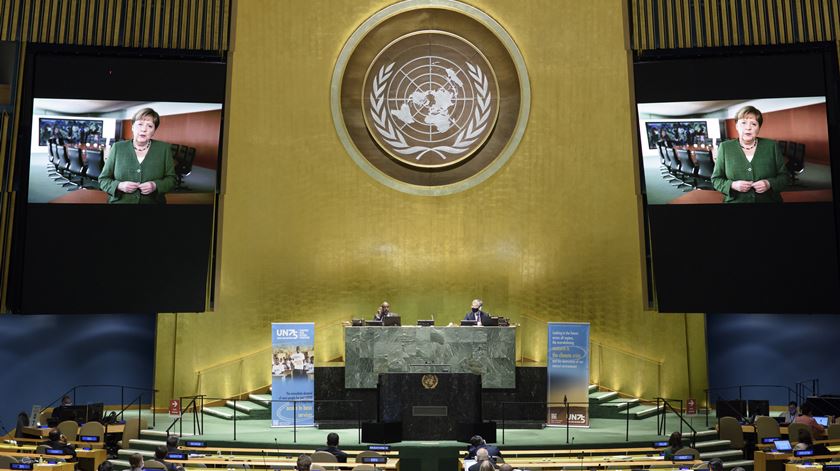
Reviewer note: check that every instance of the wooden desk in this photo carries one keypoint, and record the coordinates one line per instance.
(54, 467)
(714, 197)
(769, 461)
(84, 196)
(89, 460)
(551, 463)
(806, 467)
(273, 463)
(44, 431)
(584, 452)
(212, 451)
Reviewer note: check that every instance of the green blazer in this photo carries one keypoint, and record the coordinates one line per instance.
(122, 166)
(767, 163)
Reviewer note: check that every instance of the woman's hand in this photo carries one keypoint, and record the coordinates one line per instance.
(146, 188)
(128, 187)
(761, 186)
(742, 186)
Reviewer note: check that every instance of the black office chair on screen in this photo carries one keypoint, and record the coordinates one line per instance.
(796, 162)
(673, 167)
(61, 168)
(93, 168)
(686, 168)
(75, 168)
(705, 168)
(183, 168)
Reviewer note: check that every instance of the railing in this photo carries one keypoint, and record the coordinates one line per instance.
(73, 392)
(616, 358)
(197, 402)
(741, 389)
(662, 417)
(803, 390)
(235, 370)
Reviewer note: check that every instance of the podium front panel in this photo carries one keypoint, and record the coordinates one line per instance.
(486, 351)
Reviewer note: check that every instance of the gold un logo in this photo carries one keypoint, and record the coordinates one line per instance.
(430, 110)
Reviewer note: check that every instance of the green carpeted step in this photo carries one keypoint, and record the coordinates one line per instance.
(644, 411)
(712, 445)
(247, 410)
(621, 403)
(220, 412)
(126, 452)
(247, 407)
(262, 399)
(593, 388)
(601, 397)
(723, 455)
(120, 464)
(746, 464)
(144, 444)
(704, 435)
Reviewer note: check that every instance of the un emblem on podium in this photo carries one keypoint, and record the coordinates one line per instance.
(429, 381)
(432, 110)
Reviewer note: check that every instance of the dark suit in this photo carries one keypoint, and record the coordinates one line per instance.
(492, 450)
(340, 456)
(476, 466)
(485, 318)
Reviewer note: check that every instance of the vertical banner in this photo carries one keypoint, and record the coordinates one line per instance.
(568, 373)
(292, 374)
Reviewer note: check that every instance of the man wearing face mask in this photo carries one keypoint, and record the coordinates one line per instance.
(476, 314)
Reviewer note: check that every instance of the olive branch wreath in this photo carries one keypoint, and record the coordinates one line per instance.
(395, 138)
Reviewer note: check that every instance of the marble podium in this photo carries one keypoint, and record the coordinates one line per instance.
(485, 351)
(430, 406)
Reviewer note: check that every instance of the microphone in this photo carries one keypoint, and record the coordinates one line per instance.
(264, 461)
(276, 446)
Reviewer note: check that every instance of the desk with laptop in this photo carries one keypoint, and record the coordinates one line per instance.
(782, 457)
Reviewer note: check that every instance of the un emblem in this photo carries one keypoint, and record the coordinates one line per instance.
(432, 110)
(429, 381)
(432, 99)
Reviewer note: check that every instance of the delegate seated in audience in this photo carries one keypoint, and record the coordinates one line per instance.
(482, 458)
(477, 442)
(790, 414)
(805, 418)
(332, 448)
(505, 467)
(304, 462)
(806, 442)
(105, 466)
(65, 402)
(716, 464)
(136, 462)
(58, 441)
(674, 445)
(172, 444)
(160, 457)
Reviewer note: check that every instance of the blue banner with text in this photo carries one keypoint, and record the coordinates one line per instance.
(292, 374)
(568, 374)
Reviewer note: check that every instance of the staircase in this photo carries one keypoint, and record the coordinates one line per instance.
(608, 405)
(257, 407)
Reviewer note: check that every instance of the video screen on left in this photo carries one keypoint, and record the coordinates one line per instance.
(73, 141)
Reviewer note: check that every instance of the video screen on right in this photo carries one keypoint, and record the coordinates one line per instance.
(736, 152)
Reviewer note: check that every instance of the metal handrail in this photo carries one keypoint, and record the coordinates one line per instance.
(667, 403)
(741, 392)
(122, 387)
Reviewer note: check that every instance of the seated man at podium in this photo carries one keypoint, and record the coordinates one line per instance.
(476, 314)
(383, 311)
(477, 443)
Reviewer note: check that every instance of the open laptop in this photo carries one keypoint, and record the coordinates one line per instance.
(782, 446)
(822, 420)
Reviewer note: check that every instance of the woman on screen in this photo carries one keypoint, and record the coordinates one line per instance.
(749, 169)
(139, 171)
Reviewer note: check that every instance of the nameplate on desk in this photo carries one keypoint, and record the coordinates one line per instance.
(196, 444)
(425, 323)
(21, 466)
(430, 411)
(374, 459)
(466, 323)
(87, 448)
(831, 467)
(373, 323)
(798, 453)
(176, 456)
(767, 440)
(88, 438)
(54, 451)
(660, 444)
(683, 458)
(379, 447)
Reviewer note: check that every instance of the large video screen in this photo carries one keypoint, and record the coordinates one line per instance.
(736, 173)
(117, 172)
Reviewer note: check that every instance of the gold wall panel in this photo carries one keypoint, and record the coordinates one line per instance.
(306, 235)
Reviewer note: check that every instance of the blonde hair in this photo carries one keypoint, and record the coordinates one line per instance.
(146, 113)
(742, 113)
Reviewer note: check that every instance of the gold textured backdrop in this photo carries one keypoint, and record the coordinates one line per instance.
(305, 235)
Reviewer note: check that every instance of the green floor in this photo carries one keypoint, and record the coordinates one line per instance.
(611, 432)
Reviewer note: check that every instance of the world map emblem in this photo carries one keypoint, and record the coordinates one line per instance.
(430, 99)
